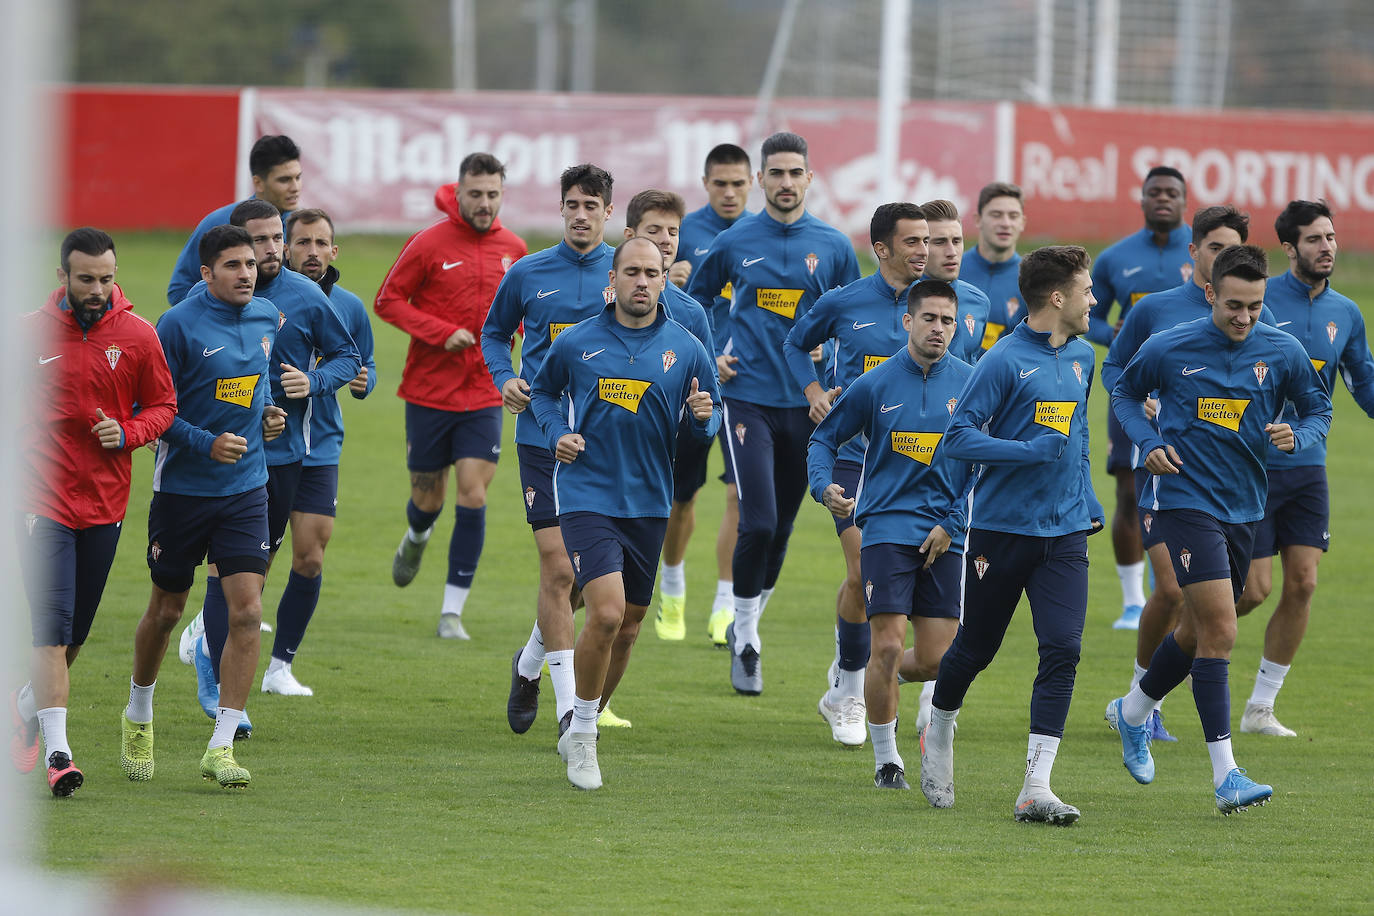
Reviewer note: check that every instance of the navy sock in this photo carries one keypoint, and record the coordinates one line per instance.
(465, 546)
(297, 606)
(1212, 695)
(420, 521)
(854, 640)
(216, 617)
(1168, 668)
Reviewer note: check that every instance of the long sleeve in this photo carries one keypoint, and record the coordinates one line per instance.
(363, 340)
(1140, 377)
(156, 399)
(1099, 329)
(956, 519)
(807, 332)
(1357, 365)
(1308, 395)
(546, 396)
(498, 330)
(1135, 330)
(339, 362)
(705, 285)
(1095, 510)
(703, 368)
(844, 422)
(965, 439)
(393, 305)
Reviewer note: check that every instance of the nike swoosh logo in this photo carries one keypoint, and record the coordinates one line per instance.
(44, 360)
(541, 294)
(884, 408)
(702, 251)
(866, 324)
(749, 262)
(264, 546)
(1029, 372)
(1282, 323)
(1187, 371)
(449, 265)
(1131, 271)
(586, 355)
(208, 352)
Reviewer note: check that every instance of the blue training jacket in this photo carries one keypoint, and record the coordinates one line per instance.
(1331, 330)
(698, 232)
(1133, 268)
(688, 312)
(999, 283)
(1215, 398)
(219, 356)
(186, 273)
(777, 271)
(324, 426)
(1023, 417)
(973, 321)
(909, 483)
(628, 388)
(549, 292)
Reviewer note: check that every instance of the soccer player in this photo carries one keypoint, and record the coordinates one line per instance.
(209, 492)
(868, 321)
(438, 292)
(727, 179)
(1221, 381)
(910, 504)
(945, 260)
(1023, 418)
(992, 264)
(1149, 261)
(630, 374)
(1214, 230)
(275, 164)
(778, 262)
(547, 293)
(1298, 511)
(101, 388)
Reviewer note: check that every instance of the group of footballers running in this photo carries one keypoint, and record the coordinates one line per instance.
(936, 408)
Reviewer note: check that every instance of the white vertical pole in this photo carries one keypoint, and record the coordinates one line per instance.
(1044, 52)
(1221, 54)
(1187, 54)
(1105, 54)
(781, 39)
(463, 19)
(892, 78)
(583, 63)
(545, 16)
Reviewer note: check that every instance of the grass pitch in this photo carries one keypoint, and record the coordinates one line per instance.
(399, 784)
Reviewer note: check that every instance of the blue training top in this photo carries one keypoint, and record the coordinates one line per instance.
(973, 321)
(698, 232)
(999, 283)
(186, 272)
(1131, 269)
(324, 427)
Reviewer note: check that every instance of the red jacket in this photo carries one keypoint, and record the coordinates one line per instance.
(444, 279)
(118, 363)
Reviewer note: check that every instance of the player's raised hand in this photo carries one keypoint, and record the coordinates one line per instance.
(699, 402)
(294, 383)
(1151, 408)
(228, 448)
(679, 272)
(515, 395)
(569, 447)
(109, 432)
(723, 367)
(459, 340)
(1163, 461)
(358, 384)
(273, 422)
(935, 545)
(820, 400)
(833, 498)
(1281, 434)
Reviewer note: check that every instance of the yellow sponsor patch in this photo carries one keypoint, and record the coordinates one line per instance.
(1225, 412)
(916, 446)
(558, 327)
(624, 392)
(1136, 297)
(991, 332)
(872, 362)
(728, 292)
(1057, 415)
(236, 390)
(1319, 364)
(780, 301)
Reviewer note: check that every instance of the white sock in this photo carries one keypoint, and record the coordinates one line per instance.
(885, 744)
(747, 613)
(725, 595)
(455, 596)
(763, 599)
(674, 581)
(1040, 753)
(847, 684)
(226, 721)
(1268, 681)
(940, 731)
(140, 708)
(28, 708)
(585, 713)
(564, 680)
(275, 665)
(1132, 577)
(53, 723)
(532, 656)
(1223, 760)
(1135, 680)
(1136, 706)
(419, 537)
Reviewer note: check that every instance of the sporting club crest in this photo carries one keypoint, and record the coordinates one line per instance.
(577, 562)
(506, 262)
(155, 550)
(281, 319)
(811, 262)
(267, 348)
(112, 353)
(1185, 556)
(1261, 371)
(529, 497)
(951, 404)
(981, 565)
(669, 358)
(868, 590)
(1013, 304)
(970, 323)
(1186, 269)
(608, 294)
(1331, 330)
(1078, 371)
(739, 432)
(1147, 520)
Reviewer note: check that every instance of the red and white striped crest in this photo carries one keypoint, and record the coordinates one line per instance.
(669, 358)
(970, 323)
(112, 353)
(1185, 556)
(811, 262)
(608, 294)
(1261, 371)
(1078, 371)
(506, 262)
(981, 565)
(267, 348)
(1331, 331)
(950, 405)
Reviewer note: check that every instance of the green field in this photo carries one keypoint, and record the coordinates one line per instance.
(399, 784)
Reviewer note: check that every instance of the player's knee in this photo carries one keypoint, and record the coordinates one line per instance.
(1300, 585)
(555, 572)
(309, 563)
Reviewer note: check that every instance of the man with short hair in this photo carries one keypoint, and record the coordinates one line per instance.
(727, 179)
(546, 293)
(209, 492)
(1297, 514)
(944, 263)
(1148, 261)
(909, 504)
(630, 374)
(1221, 381)
(101, 388)
(438, 292)
(778, 263)
(992, 264)
(1023, 418)
(868, 321)
(274, 162)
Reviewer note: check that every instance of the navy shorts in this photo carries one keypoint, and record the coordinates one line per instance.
(1204, 548)
(184, 530)
(896, 582)
(283, 482)
(598, 545)
(846, 474)
(64, 572)
(727, 475)
(437, 438)
(1149, 537)
(1298, 511)
(536, 484)
(689, 464)
(1120, 448)
(318, 492)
